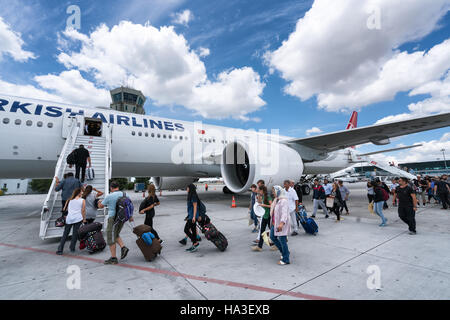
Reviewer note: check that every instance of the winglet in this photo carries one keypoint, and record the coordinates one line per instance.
(353, 123)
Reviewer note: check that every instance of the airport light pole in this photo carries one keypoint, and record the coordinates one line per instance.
(445, 162)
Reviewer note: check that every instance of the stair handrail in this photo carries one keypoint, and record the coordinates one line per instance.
(108, 154)
(59, 169)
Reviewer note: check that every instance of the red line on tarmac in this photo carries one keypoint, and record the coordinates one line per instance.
(183, 275)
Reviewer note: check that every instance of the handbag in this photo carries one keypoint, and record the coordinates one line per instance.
(330, 202)
(371, 208)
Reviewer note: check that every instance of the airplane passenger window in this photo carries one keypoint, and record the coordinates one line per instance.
(29, 123)
(18, 122)
(164, 136)
(209, 140)
(153, 135)
(39, 123)
(133, 133)
(50, 125)
(158, 135)
(185, 138)
(146, 134)
(170, 136)
(5, 120)
(140, 134)
(181, 137)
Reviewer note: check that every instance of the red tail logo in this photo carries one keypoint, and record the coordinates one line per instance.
(353, 123)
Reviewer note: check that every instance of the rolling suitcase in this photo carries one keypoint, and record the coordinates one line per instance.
(215, 236)
(87, 228)
(95, 242)
(309, 225)
(90, 174)
(149, 252)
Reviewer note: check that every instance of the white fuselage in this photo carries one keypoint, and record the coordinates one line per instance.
(31, 133)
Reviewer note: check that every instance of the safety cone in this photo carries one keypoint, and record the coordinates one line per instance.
(233, 203)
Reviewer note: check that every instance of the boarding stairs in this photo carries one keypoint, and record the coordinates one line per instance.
(394, 170)
(100, 153)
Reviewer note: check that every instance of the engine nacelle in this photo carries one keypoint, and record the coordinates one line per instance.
(243, 165)
(172, 183)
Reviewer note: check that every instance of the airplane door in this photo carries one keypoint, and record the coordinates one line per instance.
(68, 123)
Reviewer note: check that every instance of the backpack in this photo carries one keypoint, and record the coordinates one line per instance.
(385, 194)
(71, 158)
(124, 209)
(201, 208)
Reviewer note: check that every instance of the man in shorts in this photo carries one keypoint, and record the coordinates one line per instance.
(113, 228)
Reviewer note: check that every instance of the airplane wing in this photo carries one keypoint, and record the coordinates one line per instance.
(378, 134)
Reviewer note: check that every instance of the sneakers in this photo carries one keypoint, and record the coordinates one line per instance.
(313, 216)
(123, 252)
(326, 216)
(199, 238)
(382, 224)
(254, 230)
(273, 248)
(59, 253)
(183, 241)
(255, 241)
(193, 248)
(412, 232)
(111, 261)
(281, 263)
(256, 248)
(294, 233)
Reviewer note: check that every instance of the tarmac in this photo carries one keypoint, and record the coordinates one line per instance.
(351, 259)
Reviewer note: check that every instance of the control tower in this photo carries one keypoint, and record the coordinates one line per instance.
(127, 100)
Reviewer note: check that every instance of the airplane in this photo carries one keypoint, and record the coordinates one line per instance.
(33, 134)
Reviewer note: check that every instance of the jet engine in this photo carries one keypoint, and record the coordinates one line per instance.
(243, 164)
(172, 183)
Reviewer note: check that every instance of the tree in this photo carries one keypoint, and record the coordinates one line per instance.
(41, 185)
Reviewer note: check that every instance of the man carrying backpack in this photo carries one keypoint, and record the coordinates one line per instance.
(114, 224)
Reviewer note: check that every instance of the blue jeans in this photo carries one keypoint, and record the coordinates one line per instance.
(378, 208)
(281, 243)
(254, 218)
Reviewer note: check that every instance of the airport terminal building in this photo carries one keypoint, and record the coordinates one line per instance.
(426, 168)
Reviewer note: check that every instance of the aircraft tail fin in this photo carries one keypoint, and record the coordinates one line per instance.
(353, 122)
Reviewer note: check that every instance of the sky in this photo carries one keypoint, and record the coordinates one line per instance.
(298, 66)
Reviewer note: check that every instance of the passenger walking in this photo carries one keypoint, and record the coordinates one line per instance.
(423, 186)
(344, 193)
(114, 228)
(442, 189)
(337, 201)
(328, 187)
(384, 186)
(318, 198)
(265, 219)
(147, 207)
(82, 157)
(370, 192)
(280, 224)
(91, 199)
(253, 217)
(190, 229)
(76, 207)
(407, 204)
(392, 191)
(68, 185)
(293, 205)
(378, 199)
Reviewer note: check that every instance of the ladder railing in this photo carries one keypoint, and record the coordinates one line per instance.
(108, 165)
(49, 203)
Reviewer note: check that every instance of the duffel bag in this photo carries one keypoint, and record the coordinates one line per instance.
(86, 228)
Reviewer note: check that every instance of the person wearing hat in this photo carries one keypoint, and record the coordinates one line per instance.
(265, 219)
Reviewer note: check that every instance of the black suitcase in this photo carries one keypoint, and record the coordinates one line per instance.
(215, 236)
(84, 230)
(95, 242)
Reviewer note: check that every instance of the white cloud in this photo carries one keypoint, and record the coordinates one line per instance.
(183, 17)
(71, 87)
(313, 130)
(27, 91)
(161, 64)
(203, 52)
(11, 43)
(333, 55)
(438, 103)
